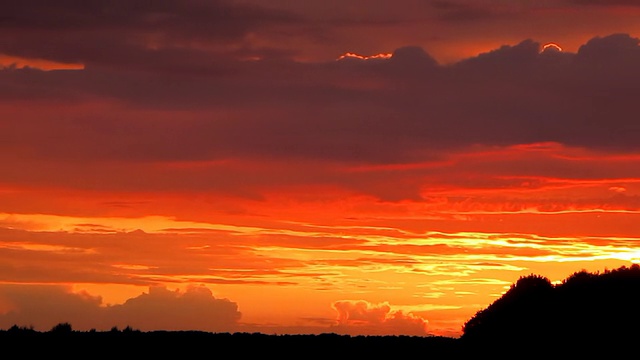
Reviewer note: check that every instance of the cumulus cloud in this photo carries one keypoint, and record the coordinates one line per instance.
(42, 307)
(160, 308)
(356, 317)
(617, 51)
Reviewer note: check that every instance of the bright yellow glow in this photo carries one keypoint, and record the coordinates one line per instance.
(18, 62)
(441, 257)
(551, 46)
(44, 248)
(350, 55)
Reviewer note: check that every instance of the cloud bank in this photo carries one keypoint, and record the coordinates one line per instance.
(309, 120)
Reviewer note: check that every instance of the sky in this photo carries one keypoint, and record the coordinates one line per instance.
(303, 167)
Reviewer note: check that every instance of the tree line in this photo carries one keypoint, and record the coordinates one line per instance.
(586, 313)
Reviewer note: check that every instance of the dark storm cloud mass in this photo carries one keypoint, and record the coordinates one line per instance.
(176, 101)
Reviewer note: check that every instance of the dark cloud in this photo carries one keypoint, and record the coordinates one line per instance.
(192, 19)
(405, 108)
(507, 56)
(132, 32)
(160, 309)
(413, 58)
(616, 50)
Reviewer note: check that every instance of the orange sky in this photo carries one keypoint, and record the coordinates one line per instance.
(221, 166)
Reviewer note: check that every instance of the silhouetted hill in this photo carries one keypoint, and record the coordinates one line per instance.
(586, 315)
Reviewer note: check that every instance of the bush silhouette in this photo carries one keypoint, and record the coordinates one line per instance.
(62, 328)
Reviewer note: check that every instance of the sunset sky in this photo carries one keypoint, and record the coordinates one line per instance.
(363, 167)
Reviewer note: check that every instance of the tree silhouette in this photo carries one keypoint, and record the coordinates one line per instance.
(62, 328)
(585, 311)
(516, 313)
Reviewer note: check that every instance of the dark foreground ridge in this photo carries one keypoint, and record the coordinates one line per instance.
(587, 314)
(133, 344)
